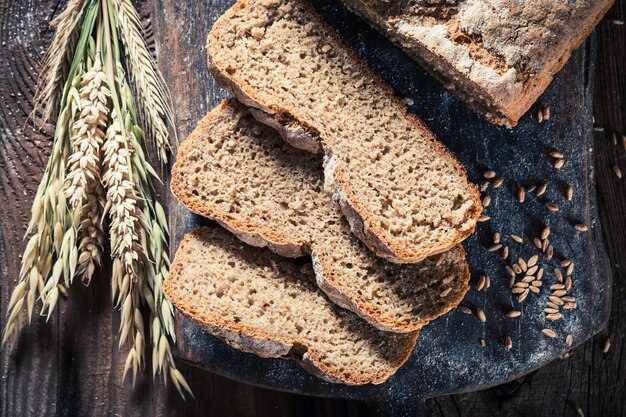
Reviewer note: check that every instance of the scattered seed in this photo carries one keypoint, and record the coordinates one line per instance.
(558, 164)
(616, 21)
(483, 218)
(465, 309)
(489, 174)
(566, 355)
(540, 273)
(569, 193)
(569, 306)
(509, 271)
(570, 269)
(553, 317)
(537, 242)
(557, 287)
(556, 300)
(550, 310)
(513, 313)
(481, 283)
(548, 332)
(528, 278)
(522, 297)
(551, 305)
(516, 238)
(486, 201)
(521, 194)
(534, 289)
(568, 298)
(484, 186)
(494, 248)
(511, 281)
(481, 315)
(531, 188)
(532, 261)
(508, 343)
(522, 263)
(505, 252)
(606, 346)
(556, 154)
(568, 284)
(483, 343)
(581, 227)
(579, 411)
(559, 293)
(545, 233)
(618, 172)
(541, 189)
(569, 340)
(558, 274)
(536, 283)
(550, 252)
(498, 182)
(539, 115)
(598, 128)
(518, 290)
(496, 238)
(565, 262)
(544, 245)
(552, 207)
(546, 113)
(532, 270)
(614, 138)
(521, 284)
(624, 142)
(517, 269)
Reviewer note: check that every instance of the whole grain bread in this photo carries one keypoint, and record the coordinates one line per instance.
(240, 173)
(496, 55)
(261, 303)
(403, 193)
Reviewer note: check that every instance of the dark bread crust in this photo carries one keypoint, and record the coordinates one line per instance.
(336, 180)
(292, 246)
(265, 344)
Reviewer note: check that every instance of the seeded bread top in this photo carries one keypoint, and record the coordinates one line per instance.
(264, 304)
(404, 194)
(506, 51)
(239, 172)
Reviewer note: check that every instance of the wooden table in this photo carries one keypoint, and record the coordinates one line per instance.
(71, 366)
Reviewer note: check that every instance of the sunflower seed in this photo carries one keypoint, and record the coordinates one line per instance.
(508, 343)
(548, 332)
(494, 248)
(617, 171)
(483, 218)
(481, 315)
(486, 201)
(552, 207)
(498, 182)
(522, 297)
(516, 238)
(545, 233)
(553, 317)
(558, 274)
(556, 300)
(513, 313)
(537, 242)
(558, 164)
(464, 309)
(606, 346)
(521, 194)
(556, 155)
(569, 340)
(489, 174)
(570, 269)
(581, 227)
(568, 284)
(505, 252)
(541, 189)
(496, 238)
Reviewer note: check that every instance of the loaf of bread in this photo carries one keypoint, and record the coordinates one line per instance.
(265, 304)
(401, 190)
(240, 173)
(496, 55)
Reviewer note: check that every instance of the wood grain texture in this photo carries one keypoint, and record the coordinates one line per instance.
(71, 366)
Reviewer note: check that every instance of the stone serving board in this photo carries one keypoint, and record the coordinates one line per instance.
(448, 357)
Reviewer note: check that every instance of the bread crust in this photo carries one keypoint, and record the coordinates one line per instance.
(336, 181)
(293, 246)
(263, 343)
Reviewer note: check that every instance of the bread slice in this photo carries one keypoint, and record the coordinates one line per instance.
(261, 303)
(496, 55)
(403, 193)
(240, 173)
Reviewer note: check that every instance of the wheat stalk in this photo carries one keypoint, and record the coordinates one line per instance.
(56, 62)
(152, 93)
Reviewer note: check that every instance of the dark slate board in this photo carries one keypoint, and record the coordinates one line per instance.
(448, 357)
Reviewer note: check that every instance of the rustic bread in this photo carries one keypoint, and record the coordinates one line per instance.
(403, 193)
(261, 303)
(497, 55)
(240, 173)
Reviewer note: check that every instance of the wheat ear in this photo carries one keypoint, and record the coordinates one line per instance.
(151, 90)
(58, 58)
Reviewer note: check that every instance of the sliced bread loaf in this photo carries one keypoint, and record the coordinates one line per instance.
(261, 303)
(403, 193)
(497, 55)
(239, 172)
